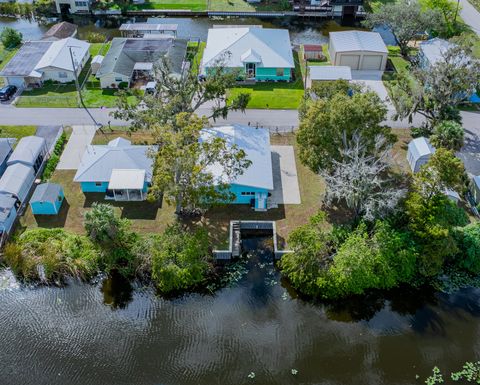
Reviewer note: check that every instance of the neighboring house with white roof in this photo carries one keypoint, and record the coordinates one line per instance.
(17, 181)
(419, 152)
(359, 50)
(121, 170)
(37, 61)
(328, 73)
(260, 54)
(255, 184)
(432, 51)
(30, 151)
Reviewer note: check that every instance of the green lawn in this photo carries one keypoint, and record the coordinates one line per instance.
(5, 56)
(274, 95)
(17, 132)
(214, 5)
(99, 48)
(398, 61)
(195, 54)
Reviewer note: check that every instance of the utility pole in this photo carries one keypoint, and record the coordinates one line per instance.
(77, 86)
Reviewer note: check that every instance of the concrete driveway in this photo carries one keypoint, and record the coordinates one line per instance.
(79, 140)
(285, 179)
(373, 80)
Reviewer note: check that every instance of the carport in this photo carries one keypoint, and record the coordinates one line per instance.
(358, 50)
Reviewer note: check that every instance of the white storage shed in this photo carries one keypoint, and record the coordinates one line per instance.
(359, 50)
(419, 152)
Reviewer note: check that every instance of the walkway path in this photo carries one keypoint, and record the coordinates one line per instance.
(285, 179)
(79, 140)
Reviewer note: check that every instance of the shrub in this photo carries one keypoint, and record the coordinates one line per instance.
(180, 259)
(96, 37)
(54, 158)
(10, 37)
(448, 134)
(468, 239)
(51, 254)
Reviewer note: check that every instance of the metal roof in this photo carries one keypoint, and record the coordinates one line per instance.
(124, 53)
(346, 41)
(58, 54)
(17, 180)
(61, 31)
(7, 203)
(256, 144)
(329, 72)
(46, 192)
(434, 49)
(272, 47)
(5, 149)
(148, 27)
(27, 150)
(26, 59)
(98, 161)
(129, 179)
(420, 147)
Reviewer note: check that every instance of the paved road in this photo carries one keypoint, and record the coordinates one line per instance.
(470, 15)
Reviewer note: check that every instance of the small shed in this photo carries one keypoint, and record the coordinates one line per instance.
(359, 50)
(419, 152)
(313, 52)
(8, 213)
(30, 151)
(17, 181)
(47, 199)
(96, 63)
(6, 150)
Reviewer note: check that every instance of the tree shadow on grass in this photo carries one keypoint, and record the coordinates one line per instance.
(51, 221)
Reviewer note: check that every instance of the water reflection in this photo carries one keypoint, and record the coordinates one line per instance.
(111, 333)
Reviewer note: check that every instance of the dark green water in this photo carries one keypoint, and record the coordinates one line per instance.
(113, 333)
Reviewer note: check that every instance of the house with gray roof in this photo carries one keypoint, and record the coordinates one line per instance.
(259, 54)
(6, 150)
(359, 50)
(8, 214)
(17, 181)
(38, 61)
(419, 152)
(60, 31)
(132, 59)
(120, 170)
(30, 151)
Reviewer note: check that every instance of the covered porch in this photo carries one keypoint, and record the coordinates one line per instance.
(126, 185)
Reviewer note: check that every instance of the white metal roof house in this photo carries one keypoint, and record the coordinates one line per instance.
(261, 54)
(30, 151)
(121, 170)
(6, 150)
(419, 152)
(8, 213)
(253, 186)
(359, 50)
(432, 51)
(17, 181)
(37, 61)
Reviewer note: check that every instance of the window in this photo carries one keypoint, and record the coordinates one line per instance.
(247, 193)
(279, 71)
(98, 184)
(62, 75)
(118, 79)
(59, 198)
(81, 3)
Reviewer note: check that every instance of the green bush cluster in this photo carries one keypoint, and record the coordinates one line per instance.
(52, 254)
(54, 158)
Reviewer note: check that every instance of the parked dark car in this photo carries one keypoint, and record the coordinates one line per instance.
(7, 92)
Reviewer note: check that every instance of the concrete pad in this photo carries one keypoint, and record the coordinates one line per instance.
(77, 144)
(285, 179)
(373, 80)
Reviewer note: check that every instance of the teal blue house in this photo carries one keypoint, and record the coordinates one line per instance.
(259, 54)
(254, 186)
(47, 199)
(120, 170)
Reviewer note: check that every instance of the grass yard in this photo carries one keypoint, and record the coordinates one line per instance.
(192, 5)
(195, 54)
(5, 56)
(99, 48)
(17, 132)
(214, 5)
(274, 95)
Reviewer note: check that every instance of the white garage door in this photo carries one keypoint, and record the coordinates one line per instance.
(372, 62)
(351, 61)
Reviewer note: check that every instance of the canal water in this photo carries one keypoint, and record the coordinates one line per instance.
(195, 28)
(255, 331)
